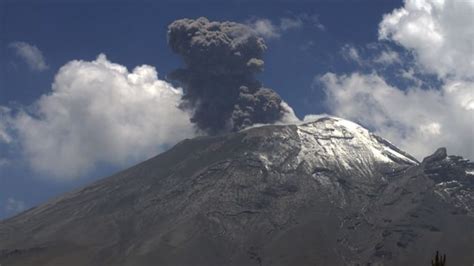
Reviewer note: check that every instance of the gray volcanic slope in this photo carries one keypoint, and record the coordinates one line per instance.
(323, 193)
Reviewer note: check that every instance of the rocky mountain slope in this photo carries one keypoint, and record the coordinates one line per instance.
(326, 192)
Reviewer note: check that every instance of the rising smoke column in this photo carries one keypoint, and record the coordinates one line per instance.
(221, 61)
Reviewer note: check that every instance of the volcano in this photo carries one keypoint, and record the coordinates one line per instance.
(327, 192)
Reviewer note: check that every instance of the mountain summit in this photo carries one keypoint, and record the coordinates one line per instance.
(326, 192)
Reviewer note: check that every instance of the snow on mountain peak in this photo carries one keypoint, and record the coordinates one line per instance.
(335, 143)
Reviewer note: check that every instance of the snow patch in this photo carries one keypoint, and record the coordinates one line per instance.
(335, 143)
(266, 163)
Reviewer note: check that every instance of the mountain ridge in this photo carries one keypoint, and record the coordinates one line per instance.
(326, 192)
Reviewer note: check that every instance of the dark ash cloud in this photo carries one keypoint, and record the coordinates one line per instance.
(221, 61)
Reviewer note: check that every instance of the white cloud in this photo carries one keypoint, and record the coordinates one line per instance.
(265, 28)
(387, 58)
(350, 53)
(5, 136)
(289, 116)
(409, 74)
(4, 125)
(100, 112)
(290, 23)
(417, 120)
(440, 35)
(372, 55)
(14, 206)
(31, 54)
(312, 20)
(439, 32)
(269, 30)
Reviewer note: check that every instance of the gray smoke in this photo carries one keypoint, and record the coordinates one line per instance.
(221, 61)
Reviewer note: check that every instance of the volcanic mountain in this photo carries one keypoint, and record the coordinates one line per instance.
(326, 192)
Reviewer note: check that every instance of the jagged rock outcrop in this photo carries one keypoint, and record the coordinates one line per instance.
(327, 192)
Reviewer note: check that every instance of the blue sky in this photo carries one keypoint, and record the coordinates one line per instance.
(341, 58)
(135, 33)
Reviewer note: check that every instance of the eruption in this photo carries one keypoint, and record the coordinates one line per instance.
(221, 61)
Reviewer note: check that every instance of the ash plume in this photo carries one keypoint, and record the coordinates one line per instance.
(221, 60)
